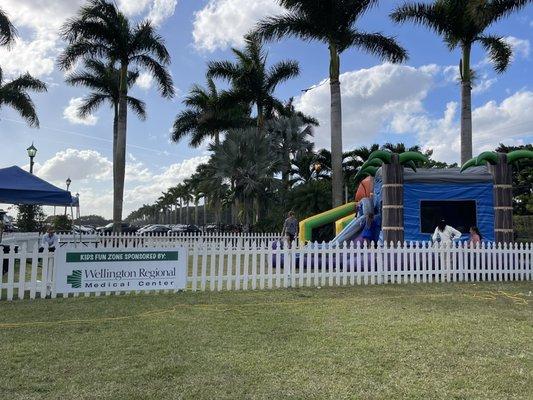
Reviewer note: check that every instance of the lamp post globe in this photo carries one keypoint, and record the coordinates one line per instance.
(32, 152)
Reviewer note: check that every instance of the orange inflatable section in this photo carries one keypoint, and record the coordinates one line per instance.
(364, 189)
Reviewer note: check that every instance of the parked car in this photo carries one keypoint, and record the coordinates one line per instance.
(186, 229)
(212, 228)
(154, 230)
(84, 230)
(126, 228)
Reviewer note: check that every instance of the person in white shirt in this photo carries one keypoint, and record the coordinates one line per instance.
(445, 234)
(49, 240)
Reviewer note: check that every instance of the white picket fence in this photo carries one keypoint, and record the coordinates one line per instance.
(249, 265)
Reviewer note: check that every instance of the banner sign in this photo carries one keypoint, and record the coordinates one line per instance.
(84, 271)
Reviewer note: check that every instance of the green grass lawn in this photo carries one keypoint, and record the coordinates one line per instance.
(449, 341)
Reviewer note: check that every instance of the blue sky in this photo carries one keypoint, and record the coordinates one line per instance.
(416, 102)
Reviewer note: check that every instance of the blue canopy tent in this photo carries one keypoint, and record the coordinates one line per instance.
(20, 187)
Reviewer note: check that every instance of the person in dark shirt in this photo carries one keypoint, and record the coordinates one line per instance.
(290, 228)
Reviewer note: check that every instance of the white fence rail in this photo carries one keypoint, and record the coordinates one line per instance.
(128, 240)
(250, 265)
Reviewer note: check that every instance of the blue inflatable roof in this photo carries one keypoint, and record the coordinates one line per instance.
(20, 187)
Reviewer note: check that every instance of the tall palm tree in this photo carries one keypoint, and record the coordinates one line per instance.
(100, 30)
(289, 135)
(8, 33)
(104, 81)
(208, 114)
(462, 23)
(333, 23)
(14, 94)
(252, 81)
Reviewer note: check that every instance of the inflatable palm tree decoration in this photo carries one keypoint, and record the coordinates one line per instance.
(500, 166)
(392, 169)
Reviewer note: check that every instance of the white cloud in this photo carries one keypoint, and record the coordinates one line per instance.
(92, 174)
(223, 23)
(483, 84)
(371, 99)
(79, 165)
(37, 51)
(70, 113)
(145, 81)
(35, 57)
(161, 10)
(133, 7)
(507, 122)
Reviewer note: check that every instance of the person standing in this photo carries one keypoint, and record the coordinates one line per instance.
(290, 228)
(475, 237)
(49, 241)
(371, 230)
(445, 234)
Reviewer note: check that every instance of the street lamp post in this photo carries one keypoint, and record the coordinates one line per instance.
(68, 182)
(32, 152)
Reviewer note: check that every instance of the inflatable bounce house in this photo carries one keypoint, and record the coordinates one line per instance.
(409, 202)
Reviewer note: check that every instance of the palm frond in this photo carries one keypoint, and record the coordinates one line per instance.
(8, 33)
(433, 16)
(158, 71)
(137, 106)
(289, 24)
(379, 45)
(26, 82)
(90, 104)
(282, 72)
(499, 51)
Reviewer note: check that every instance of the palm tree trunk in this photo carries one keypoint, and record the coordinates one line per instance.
(119, 158)
(286, 170)
(196, 211)
(466, 107)
(260, 117)
(336, 126)
(217, 139)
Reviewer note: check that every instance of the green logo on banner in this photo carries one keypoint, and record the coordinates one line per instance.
(75, 279)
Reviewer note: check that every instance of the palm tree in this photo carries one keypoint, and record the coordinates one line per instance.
(252, 81)
(333, 23)
(289, 135)
(288, 110)
(15, 95)
(245, 159)
(462, 23)
(8, 33)
(104, 80)
(208, 114)
(100, 30)
(186, 196)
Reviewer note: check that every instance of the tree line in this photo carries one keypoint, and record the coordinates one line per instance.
(247, 124)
